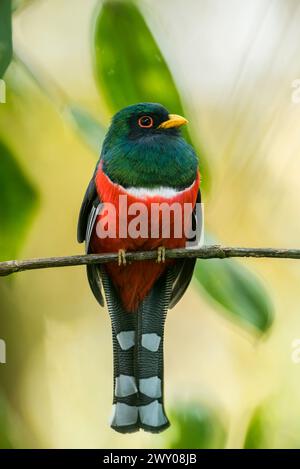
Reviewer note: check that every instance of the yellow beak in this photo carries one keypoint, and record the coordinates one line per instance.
(173, 121)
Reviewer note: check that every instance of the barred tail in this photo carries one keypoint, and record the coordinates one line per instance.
(125, 393)
(138, 358)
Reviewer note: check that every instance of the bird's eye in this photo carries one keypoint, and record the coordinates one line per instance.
(146, 122)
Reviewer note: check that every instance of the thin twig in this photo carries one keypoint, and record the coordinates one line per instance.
(205, 252)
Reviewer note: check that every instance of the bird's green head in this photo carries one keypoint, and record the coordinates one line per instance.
(144, 148)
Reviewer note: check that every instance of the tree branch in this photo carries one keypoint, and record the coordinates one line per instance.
(204, 252)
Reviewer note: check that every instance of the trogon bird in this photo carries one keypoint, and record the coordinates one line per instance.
(145, 158)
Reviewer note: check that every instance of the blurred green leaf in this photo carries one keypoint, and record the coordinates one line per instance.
(128, 63)
(5, 35)
(240, 292)
(195, 426)
(129, 66)
(87, 126)
(256, 437)
(19, 4)
(275, 423)
(18, 199)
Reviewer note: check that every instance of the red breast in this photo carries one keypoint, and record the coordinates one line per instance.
(118, 218)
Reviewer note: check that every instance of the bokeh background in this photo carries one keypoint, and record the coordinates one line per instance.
(232, 363)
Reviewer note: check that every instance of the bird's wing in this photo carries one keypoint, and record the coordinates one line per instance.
(89, 211)
(86, 206)
(184, 268)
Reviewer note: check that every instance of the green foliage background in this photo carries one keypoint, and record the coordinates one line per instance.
(57, 340)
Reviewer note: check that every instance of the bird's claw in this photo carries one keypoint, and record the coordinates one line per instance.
(121, 257)
(161, 254)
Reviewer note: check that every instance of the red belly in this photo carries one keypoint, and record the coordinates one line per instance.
(135, 280)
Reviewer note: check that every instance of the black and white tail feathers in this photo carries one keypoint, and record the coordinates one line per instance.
(138, 358)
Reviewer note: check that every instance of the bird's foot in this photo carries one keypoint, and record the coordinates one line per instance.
(121, 257)
(161, 254)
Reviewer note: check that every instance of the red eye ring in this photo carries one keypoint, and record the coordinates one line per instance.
(145, 122)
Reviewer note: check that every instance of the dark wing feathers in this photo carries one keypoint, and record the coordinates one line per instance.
(86, 206)
(89, 211)
(185, 268)
(94, 212)
(182, 280)
(94, 278)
